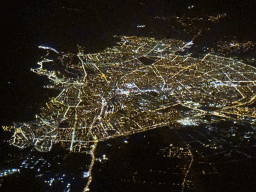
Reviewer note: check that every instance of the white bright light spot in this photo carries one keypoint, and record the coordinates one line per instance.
(85, 174)
(141, 26)
(44, 47)
(187, 122)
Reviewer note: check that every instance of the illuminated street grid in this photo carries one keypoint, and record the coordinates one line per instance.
(132, 87)
(140, 84)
